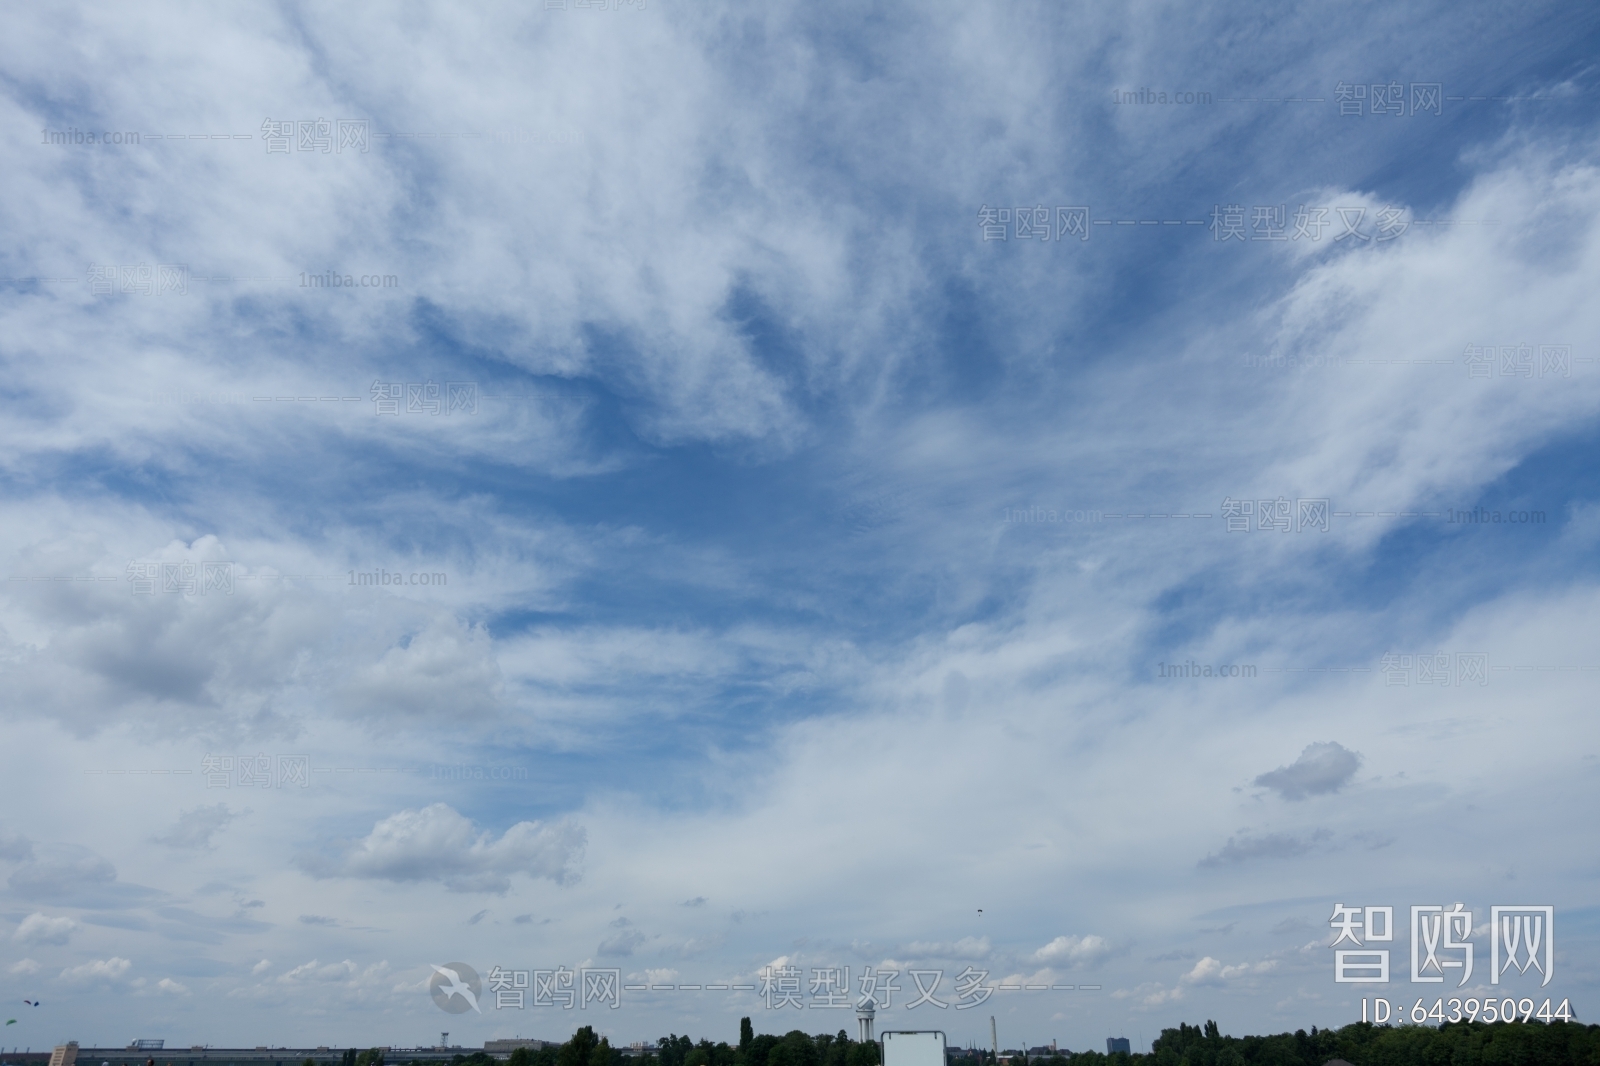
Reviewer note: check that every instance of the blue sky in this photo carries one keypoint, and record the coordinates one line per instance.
(810, 554)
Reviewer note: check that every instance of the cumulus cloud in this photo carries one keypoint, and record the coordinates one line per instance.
(38, 928)
(110, 969)
(1210, 971)
(1320, 769)
(447, 665)
(438, 843)
(654, 977)
(195, 828)
(1151, 994)
(317, 971)
(23, 967)
(1074, 950)
(168, 985)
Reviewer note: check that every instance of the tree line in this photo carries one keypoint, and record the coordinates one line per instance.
(1463, 1043)
(794, 1048)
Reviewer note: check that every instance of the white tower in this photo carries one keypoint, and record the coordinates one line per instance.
(865, 1011)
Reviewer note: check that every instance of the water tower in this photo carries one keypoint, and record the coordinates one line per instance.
(866, 1010)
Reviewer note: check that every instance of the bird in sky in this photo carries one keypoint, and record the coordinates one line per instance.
(456, 988)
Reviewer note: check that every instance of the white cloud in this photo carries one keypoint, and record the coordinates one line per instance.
(1210, 971)
(968, 947)
(1074, 950)
(662, 976)
(316, 971)
(23, 967)
(1151, 994)
(168, 985)
(448, 669)
(261, 967)
(619, 282)
(38, 928)
(437, 843)
(110, 969)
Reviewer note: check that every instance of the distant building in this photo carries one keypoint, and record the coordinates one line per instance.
(1115, 1044)
(507, 1046)
(148, 1045)
(256, 1056)
(65, 1054)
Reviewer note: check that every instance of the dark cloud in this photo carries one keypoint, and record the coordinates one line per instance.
(195, 828)
(15, 848)
(1246, 848)
(621, 944)
(73, 876)
(1320, 769)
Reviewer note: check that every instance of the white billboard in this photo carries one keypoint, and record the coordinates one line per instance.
(913, 1049)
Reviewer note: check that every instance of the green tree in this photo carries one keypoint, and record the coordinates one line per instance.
(760, 1048)
(862, 1054)
(521, 1057)
(579, 1050)
(674, 1049)
(831, 1049)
